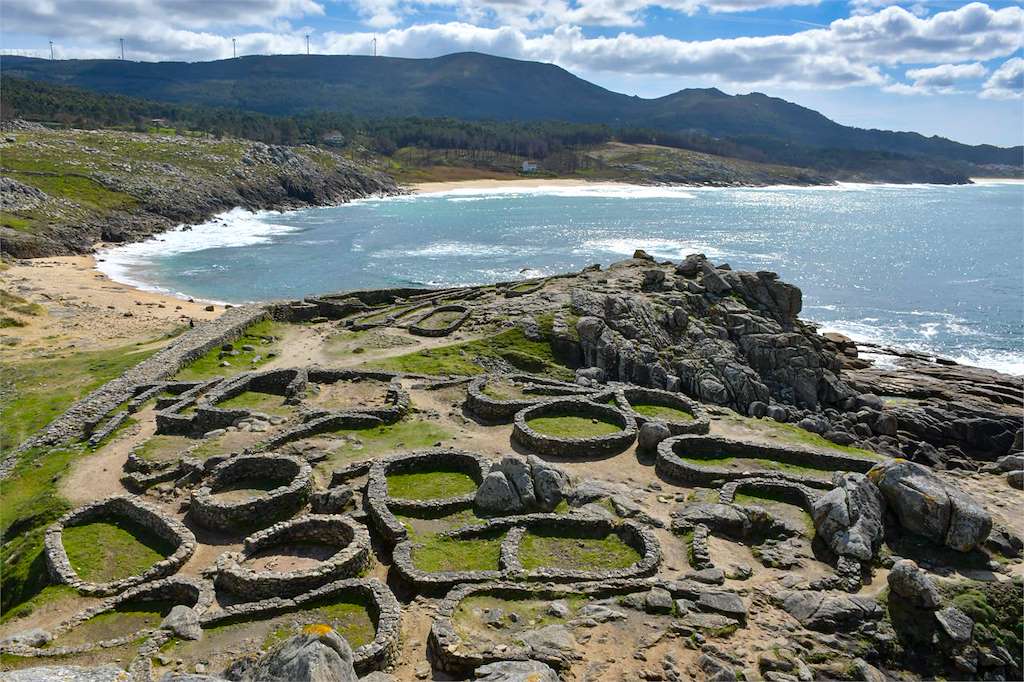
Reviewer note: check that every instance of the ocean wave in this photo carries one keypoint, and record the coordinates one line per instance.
(452, 249)
(659, 248)
(1007, 362)
(606, 190)
(235, 228)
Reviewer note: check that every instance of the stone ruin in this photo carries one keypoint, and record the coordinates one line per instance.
(823, 517)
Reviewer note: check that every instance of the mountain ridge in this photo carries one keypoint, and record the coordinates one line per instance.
(476, 86)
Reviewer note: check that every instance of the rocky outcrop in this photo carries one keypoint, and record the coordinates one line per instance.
(725, 337)
(318, 655)
(908, 581)
(159, 196)
(516, 671)
(928, 506)
(828, 611)
(849, 517)
(517, 485)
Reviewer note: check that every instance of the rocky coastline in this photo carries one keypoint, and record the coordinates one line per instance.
(660, 454)
(65, 191)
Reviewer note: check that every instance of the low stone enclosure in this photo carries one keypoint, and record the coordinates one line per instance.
(678, 460)
(423, 326)
(501, 411)
(574, 447)
(190, 592)
(379, 600)
(294, 479)
(395, 399)
(450, 653)
(381, 505)
(349, 541)
(524, 288)
(510, 567)
(119, 507)
(630, 399)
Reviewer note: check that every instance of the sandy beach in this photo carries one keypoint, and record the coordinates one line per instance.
(85, 310)
(424, 187)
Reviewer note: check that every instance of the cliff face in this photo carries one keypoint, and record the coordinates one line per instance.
(64, 191)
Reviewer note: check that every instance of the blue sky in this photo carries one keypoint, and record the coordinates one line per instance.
(948, 68)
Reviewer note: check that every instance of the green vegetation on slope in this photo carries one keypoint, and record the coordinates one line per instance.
(30, 503)
(262, 336)
(111, 550)
(465, 358)
(32, 393)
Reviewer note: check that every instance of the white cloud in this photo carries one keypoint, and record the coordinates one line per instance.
(546, 14)
(848, 52)
(1007, 82)
(944, 79)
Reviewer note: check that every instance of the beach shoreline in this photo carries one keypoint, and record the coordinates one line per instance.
(86, 310)
(495, 183)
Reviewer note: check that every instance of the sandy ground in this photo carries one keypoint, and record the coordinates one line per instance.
(85, 310)
(424, 187)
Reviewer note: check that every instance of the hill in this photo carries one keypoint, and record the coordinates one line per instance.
(476, 86)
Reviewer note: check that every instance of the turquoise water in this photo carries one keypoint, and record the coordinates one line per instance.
(925, 267)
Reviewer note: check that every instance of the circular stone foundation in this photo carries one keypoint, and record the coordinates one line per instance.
(539, 429)
(440, 321)
(210, 507)
(160, 595)
(119, 507)
(349, 543)
(652, 404)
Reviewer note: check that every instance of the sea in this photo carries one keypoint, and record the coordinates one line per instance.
(932, 268)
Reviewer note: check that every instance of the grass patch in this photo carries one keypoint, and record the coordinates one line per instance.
(781, 505)
(351, 620)
(48, 595)
(84, 191)
(790, 433)
(30, 503)
(163, 448)
(435, 554)
(533, 613)
(32, 393)
(411, 434)
(262, 336)
(653, 411)
(17, 304)
(440, 320)
(124, 620)
(570, 426)
(540, 549)
(430, 485)
(996, 609)
(464, 358)
(111, 550)
(754, 464)
(255, 401)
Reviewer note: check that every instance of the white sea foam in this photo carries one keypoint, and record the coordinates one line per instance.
(608, 190)
(448, 249)
(1007, 362)
(234, 228)
(659, 248)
